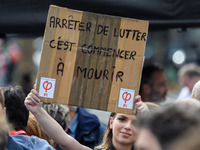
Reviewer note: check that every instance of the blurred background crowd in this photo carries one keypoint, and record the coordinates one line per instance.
(171, 49)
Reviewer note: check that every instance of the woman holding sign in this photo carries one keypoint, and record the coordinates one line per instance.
(120, 133)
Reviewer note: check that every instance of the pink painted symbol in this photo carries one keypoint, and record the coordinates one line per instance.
(126, 97)
(47, 86)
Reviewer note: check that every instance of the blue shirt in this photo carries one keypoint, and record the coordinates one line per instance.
(12, 145)
(31, 143)
(72, 127)
(86, 128)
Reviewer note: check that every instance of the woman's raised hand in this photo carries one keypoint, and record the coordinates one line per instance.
(140, 106)
(32, 101)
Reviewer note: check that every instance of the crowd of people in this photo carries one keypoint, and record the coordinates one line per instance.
(26, 123)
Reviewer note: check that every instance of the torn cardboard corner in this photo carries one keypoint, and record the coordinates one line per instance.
(91, 60)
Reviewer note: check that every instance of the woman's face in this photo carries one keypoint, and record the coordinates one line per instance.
(123, 129)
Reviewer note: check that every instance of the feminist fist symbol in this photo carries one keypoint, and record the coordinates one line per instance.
(46, 85)
(126, 96)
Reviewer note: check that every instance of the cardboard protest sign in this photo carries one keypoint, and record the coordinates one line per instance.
(91, 60)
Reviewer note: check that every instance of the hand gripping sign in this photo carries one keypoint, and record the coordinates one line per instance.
(126, 98)
(47, 87)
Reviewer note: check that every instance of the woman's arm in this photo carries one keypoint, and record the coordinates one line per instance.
(49, 125)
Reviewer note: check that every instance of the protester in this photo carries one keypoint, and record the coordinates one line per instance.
(153, 86)
(188, 75)
(121, 126)
(120, 133)
(159, 129)
(17, 117)
(11, 144)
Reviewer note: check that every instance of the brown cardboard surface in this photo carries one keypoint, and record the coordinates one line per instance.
(90, 57)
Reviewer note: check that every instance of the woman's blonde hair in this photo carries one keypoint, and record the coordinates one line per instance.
(107, 138)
